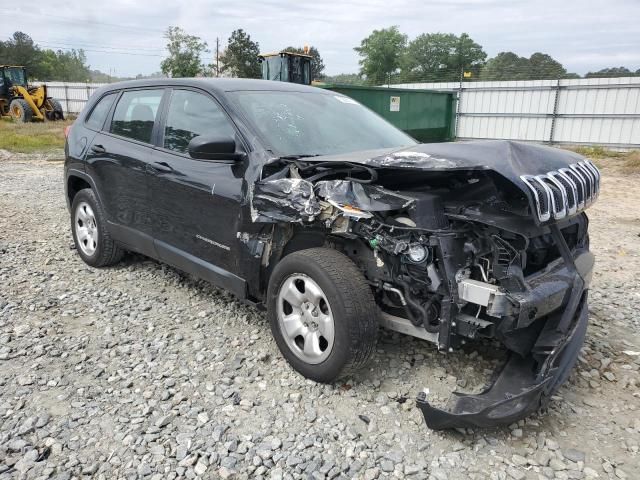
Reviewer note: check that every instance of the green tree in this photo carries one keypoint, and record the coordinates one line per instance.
(543, 66)
(317, 64)
(71, 66)
(506, 66)
(346, 78)
(469, 55)
(44, 65)
(240, 58)
(429, 57)
(509, 66)
(21, 50)
(441, 57)
(185, 53)
(381, 54)
(612, 72)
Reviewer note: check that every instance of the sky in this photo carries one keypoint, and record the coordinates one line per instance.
(125, 37)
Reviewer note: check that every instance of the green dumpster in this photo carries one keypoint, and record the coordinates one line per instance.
(426, 115)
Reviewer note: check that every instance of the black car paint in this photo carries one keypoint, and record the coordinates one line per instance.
(200, 215)
(142, 187)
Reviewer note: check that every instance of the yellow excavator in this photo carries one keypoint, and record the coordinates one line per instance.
(22, 102)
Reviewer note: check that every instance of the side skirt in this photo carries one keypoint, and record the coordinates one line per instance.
(201, 269)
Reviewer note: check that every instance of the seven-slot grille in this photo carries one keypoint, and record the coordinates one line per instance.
(563, 192)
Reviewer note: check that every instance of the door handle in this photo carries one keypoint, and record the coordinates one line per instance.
(98, 149)
(163, 167)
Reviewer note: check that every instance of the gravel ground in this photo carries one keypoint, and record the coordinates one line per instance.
(141, 371)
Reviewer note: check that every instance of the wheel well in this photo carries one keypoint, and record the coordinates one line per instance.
(74, 185)
(303, 241)
(285, 242)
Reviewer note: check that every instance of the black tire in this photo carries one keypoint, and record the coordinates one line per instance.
(20, 110)
(56, 112)
(107, 252)
(352, 306)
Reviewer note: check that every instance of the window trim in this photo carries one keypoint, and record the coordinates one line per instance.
(156, 122)
(159, 145)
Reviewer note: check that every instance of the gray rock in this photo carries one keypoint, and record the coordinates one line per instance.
(200, 468)
(144, 469)
(293, 460)
(371, 473)
(225, 473)
(165, 420)
(516, 473)
(574, 455)
(387, 466)
(439, 474)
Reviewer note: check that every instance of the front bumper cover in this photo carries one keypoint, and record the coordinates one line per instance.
(525, 383)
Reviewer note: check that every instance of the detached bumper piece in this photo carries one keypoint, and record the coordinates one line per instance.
(518, 390)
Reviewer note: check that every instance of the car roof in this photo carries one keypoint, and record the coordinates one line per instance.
(218, 84)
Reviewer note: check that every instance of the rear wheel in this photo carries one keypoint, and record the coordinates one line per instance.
(90, 234)
(20, 110)
(322, 314)
(56, 112)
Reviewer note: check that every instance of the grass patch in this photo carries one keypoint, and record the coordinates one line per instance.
(31, 137)
(632, 162)
(604, 158)
(597, 152)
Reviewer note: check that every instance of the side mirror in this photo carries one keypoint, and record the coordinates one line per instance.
(213, 147)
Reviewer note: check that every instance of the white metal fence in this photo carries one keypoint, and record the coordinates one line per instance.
(72, 96)
(592, 111)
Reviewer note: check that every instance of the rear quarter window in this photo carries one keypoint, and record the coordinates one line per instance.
(98, 115)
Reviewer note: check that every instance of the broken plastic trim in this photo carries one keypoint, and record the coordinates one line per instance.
(517, 391)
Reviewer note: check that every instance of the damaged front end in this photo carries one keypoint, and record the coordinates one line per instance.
(458, 242)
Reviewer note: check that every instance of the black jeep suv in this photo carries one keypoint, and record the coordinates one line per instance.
(303, 201)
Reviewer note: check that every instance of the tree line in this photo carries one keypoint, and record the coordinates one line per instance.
(386, 56)
(44, 64)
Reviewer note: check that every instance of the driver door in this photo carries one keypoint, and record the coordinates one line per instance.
(195, 203)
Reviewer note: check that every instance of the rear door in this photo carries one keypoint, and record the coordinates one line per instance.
(196, 203)
(117, 162)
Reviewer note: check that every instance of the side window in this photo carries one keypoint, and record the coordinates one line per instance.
(135, 114)
(190, 115)
(96, 118)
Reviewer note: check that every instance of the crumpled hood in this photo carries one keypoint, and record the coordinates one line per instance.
(508, 158)
(557, 183)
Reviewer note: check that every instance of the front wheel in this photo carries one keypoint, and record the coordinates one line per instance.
(322, 314)
(20, 110)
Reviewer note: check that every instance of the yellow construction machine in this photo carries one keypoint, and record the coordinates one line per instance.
(22, 102)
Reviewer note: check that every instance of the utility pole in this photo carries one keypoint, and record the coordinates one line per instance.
(217, 57)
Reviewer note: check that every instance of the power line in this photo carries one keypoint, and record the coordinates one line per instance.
(58, 47)
(79, 22)
(97, 45)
